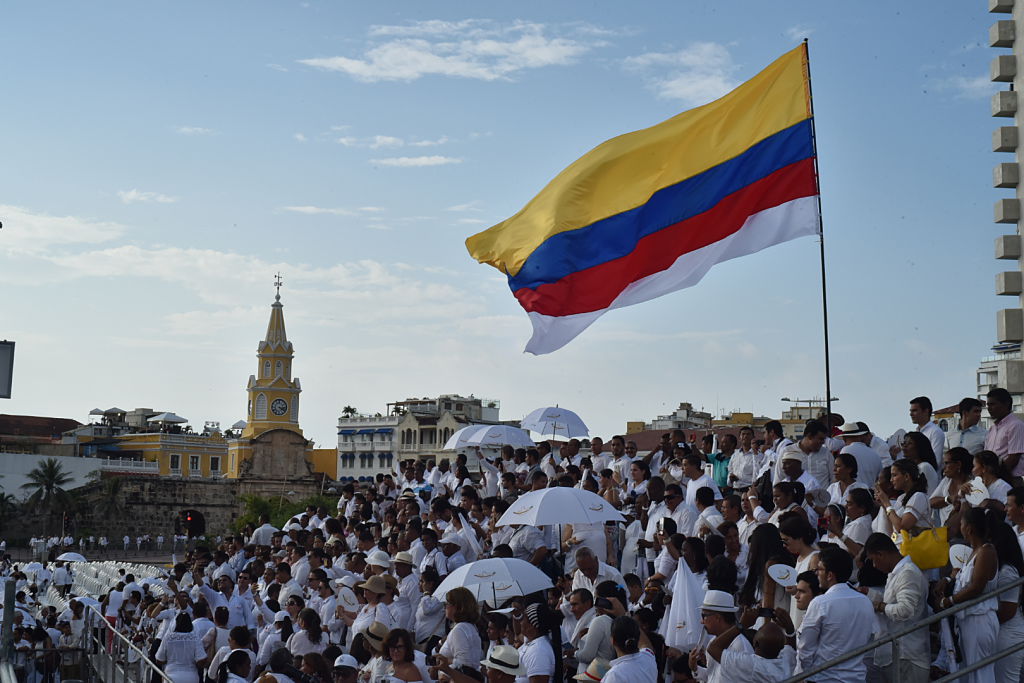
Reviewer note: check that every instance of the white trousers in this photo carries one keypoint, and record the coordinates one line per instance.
(978, 635)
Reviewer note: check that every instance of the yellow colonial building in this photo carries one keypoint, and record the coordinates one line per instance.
(270, 447)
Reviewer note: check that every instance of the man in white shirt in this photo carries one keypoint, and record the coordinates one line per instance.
(904, 602)
(621, 462)
(590, 571)
(839, 620)
(771, 661)
(857, 436)
(793, 469)
(921, 416)
(263, 533)
(818, 460)
(777, 443)
(598, 458)
(745, 461)
(970, 434)
(1015, 512)
(694, 478)
(718, 613)
(682, 513)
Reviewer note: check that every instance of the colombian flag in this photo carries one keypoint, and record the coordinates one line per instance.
(649, 212)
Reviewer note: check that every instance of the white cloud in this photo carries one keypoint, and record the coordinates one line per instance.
(799, 32)
(472, 221)
(471, 48)
(277, 67)
(468, 206)
(299, 137)
(195, 130)
(26, 231)
(382, 141)
(348, 141)
(697, 74)
(372, 209)
(132, 196)
(409, 162)
(967, 87)
(443, 140)
(318, 210)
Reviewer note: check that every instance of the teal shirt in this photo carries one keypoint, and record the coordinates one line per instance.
(720, 468)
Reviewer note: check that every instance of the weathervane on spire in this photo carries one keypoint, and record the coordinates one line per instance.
(277, 283)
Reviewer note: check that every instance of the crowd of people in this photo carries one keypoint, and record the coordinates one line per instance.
(789, 553)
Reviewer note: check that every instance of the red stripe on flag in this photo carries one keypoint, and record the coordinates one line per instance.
(595, 289)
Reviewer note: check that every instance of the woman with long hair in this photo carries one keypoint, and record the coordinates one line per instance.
(429, 621)
(765, 543)
(631, 664)
(310, 637)
(639, 475)
(1011, 621)
(799, 539)
(235, 669)
(978, 625)
(860, 508)
(957, 466)
(918, 449)
(405, 662)
(462, 646)
(181, 652)
(909, 509)
(541, 653)
(273, 637)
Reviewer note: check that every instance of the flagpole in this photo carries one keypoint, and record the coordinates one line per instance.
(821, 244)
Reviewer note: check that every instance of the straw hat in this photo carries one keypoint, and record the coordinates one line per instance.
(375, 634)
(504, 658)
(375, 584)
(596, 671)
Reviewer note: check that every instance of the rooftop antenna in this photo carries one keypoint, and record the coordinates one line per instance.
(277, 283)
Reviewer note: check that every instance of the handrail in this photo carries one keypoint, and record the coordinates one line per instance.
(939, 616)
(981, 664)
(125, 644)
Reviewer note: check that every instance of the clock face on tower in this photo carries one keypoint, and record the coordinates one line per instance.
(278, 406)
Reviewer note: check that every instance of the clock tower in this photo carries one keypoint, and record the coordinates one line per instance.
(273, 392)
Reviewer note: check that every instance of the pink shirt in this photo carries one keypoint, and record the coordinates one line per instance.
(1006, 437)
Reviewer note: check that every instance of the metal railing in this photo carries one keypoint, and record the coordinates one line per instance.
(115, 658)
(924, 623)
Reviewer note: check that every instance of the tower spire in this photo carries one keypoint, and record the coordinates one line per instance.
(278, 282)
(276, 335)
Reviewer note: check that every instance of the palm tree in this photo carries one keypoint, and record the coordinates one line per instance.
(109, 504)
(46, 483)
(349, 411)
(8, 507)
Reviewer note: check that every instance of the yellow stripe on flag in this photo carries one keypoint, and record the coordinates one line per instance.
(622, 173)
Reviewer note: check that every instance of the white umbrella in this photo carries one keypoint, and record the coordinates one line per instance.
(496, 579)
(87, 600)
(554, 422)
(71, 557)
(31, 567)
(489, 435)
(560, 505)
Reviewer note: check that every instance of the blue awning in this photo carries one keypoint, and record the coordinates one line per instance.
(346, 431)
(385, 430)
(366, 431)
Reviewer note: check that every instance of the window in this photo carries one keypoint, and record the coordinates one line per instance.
(266, 368)
(295, 409)
(232, 462)
(279, 368)
(193, 464)
(175, 461)
(261, 407)
(214, 464)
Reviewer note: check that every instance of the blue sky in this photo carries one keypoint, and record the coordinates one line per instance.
(163, 161)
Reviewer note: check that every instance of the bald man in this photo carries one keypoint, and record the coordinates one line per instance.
(770, 662)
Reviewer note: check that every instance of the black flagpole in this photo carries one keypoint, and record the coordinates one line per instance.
(821, 243)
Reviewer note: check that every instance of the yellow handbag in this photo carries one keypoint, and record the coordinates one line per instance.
(929, 549)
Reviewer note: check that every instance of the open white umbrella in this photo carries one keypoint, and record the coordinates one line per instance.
(489, 436)
(32, 566)
(553, 422)
(496, 579)
(71, 557)
(169, 418)
(87, 600)
(559, 505)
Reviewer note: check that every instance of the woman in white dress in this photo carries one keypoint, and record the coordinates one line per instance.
(992, 472)
(798, 536)
(1011, 621)
(639, 475)
(181, 652)
(908, 511)
(844, 469)
(918, 449)
(978, 625)
(957, 466)
(856, 526)
(310, 636)
(462, 647)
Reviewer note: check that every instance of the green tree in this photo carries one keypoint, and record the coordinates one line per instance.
(109, 505)
(8, 507)
(46, 486)
(349, 411)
